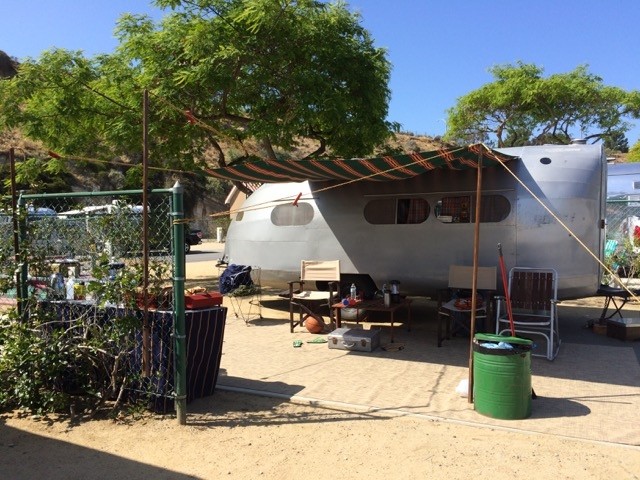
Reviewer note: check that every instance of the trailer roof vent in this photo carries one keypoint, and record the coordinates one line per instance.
(578, 141)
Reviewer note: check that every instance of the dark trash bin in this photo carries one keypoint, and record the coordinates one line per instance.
(502, 376)
(204, 335)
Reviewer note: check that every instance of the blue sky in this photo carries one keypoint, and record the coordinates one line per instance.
(440, 50)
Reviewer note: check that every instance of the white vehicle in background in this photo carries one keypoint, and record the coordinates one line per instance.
(623, 203)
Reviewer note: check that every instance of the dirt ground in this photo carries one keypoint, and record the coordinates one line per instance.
(242, 436)
(233, 435)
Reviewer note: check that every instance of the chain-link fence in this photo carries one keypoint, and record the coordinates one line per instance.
(76, 270)
(622, 248)
(623, 220)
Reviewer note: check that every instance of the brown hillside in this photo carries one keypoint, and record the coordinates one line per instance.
(22, 146)
(8, 66)
(399, 144)
(200, 200)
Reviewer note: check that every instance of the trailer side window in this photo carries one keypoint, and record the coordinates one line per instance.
(412, 210)
(288, 215)
(454, 209)
(461, 209)
(390, 211)
(495, 208)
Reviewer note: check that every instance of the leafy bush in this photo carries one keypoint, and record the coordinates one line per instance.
(65, 356)
(624, 262)
(62, 357)
(54, 363)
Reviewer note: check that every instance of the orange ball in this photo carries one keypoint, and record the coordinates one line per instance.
(314, 325)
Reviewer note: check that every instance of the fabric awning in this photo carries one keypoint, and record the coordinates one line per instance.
(396, 167)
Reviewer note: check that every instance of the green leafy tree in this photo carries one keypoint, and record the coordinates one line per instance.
(222, 75)
(521, 107)
(634, 153)
(616, 142)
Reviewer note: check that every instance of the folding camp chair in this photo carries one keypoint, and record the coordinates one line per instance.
(534, 297)
(241, 285)
(306, 300)
(454, 309)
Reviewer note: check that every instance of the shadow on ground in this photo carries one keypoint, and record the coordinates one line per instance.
(25, 455)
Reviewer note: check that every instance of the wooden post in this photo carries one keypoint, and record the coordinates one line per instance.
(474, 282)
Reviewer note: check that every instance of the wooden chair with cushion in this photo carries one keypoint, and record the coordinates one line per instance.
(305, 298)
(453, 310)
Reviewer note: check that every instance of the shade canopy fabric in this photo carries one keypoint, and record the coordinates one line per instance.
(396, 167)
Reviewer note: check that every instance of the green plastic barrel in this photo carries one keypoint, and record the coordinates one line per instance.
(502, 376)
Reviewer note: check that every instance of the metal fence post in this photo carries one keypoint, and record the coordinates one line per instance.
(22, 288)
(180, 341)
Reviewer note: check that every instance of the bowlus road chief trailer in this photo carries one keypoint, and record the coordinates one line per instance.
(409, 217)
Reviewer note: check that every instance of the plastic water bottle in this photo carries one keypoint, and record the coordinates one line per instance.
(71, 282)
(353, 292)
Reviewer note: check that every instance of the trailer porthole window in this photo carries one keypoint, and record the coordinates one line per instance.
(545, 160)
(288, 215)
(396, 211)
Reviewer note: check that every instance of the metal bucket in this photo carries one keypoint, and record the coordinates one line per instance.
(502, 376)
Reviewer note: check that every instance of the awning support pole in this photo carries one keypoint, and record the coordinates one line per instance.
(474, 282)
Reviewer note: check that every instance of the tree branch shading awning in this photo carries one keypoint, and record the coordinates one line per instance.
(396, 167)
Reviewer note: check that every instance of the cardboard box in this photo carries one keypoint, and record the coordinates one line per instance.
(354, 339)
(624, 328)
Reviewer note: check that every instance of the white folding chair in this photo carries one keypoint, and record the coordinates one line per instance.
(534, 297)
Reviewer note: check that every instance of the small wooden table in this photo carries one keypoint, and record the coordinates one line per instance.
(375, 305)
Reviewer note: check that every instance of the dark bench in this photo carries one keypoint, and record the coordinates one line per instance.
(616, 298)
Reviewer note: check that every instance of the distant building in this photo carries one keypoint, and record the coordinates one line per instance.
(236, 198)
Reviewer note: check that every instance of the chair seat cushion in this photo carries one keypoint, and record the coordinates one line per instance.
(312, 295)
(456, 305)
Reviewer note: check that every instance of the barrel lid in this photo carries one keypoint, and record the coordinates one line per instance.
(491, 337)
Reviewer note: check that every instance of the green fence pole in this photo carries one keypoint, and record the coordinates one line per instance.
(22, 288)
(180, 341)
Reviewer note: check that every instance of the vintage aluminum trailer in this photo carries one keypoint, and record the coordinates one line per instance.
(413, 229)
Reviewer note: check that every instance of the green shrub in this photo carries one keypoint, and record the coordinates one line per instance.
(49, 364)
